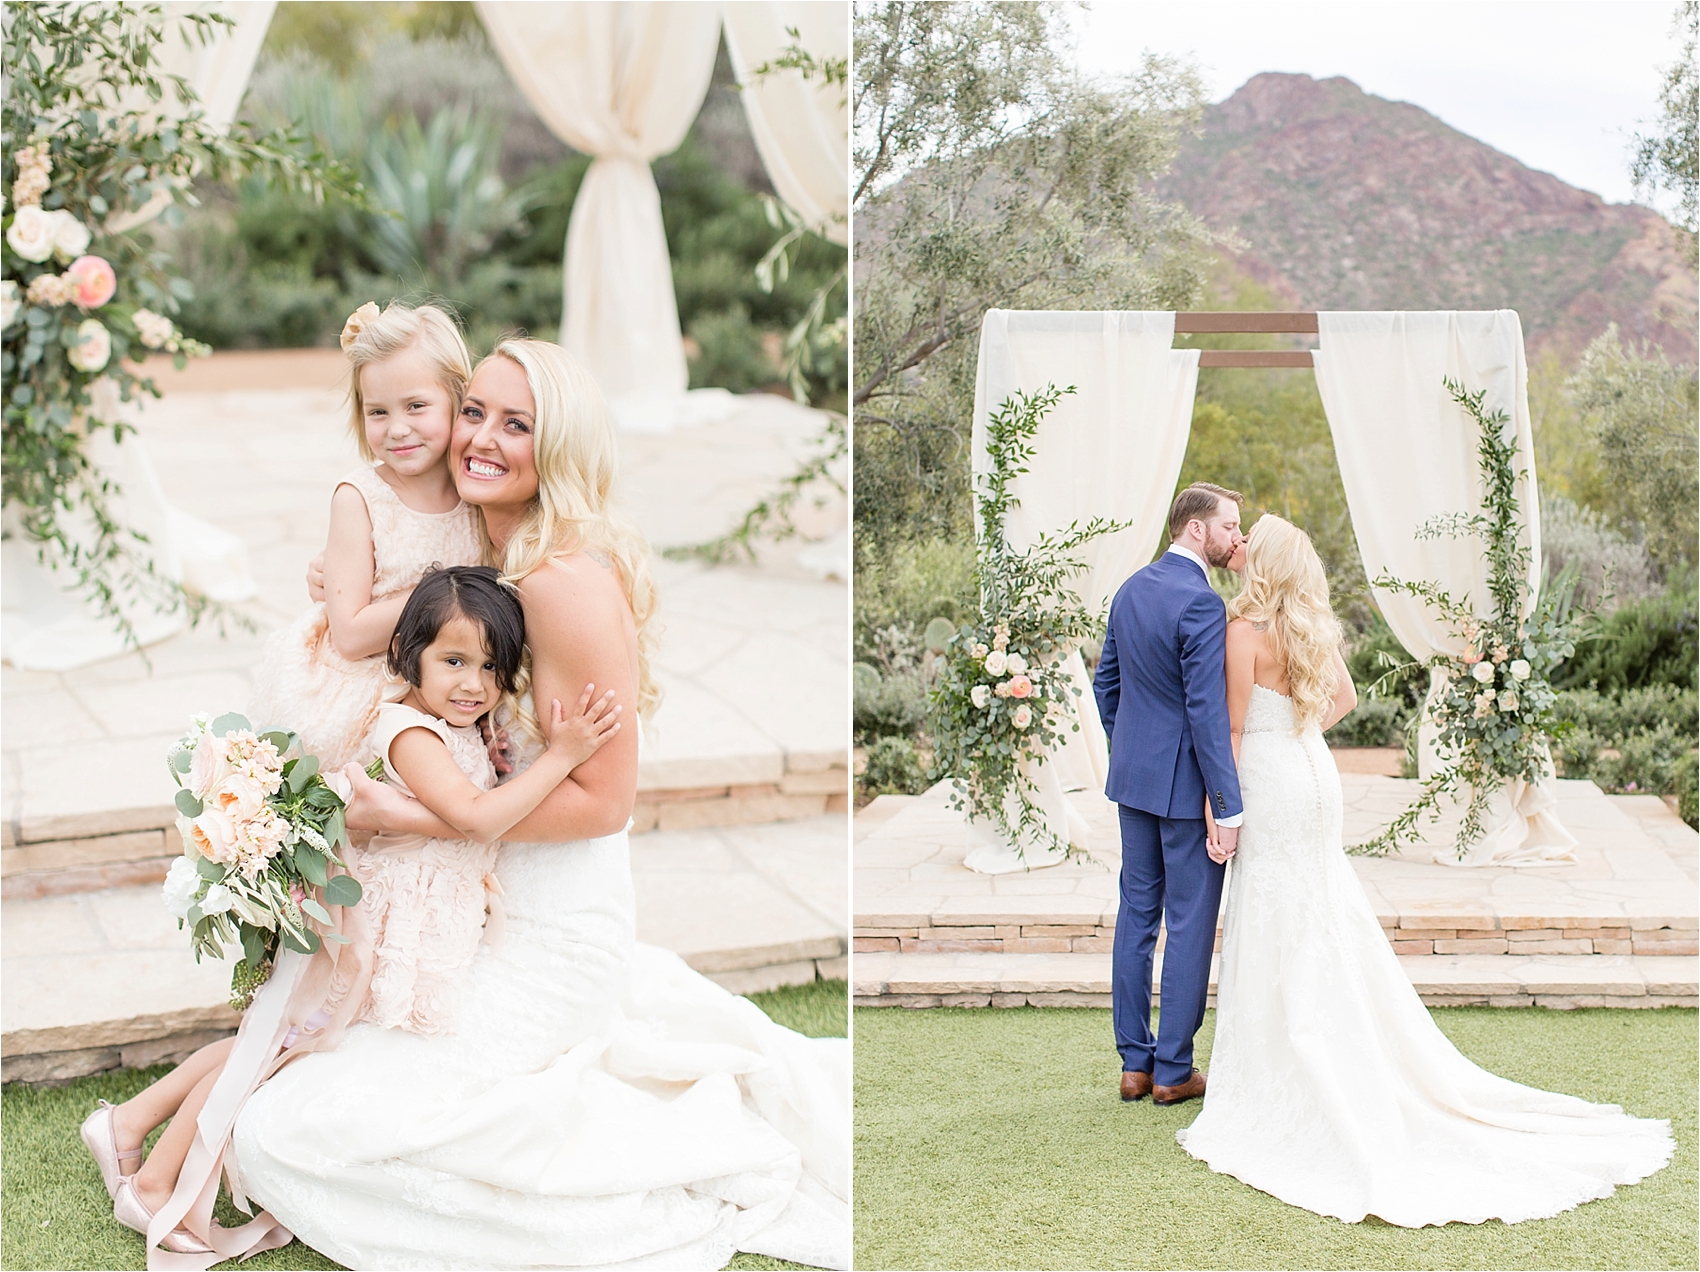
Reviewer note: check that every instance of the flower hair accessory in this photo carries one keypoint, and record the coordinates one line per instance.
(357, 322)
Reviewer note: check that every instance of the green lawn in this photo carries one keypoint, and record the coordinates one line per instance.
(56, 1214)
(996, 1139)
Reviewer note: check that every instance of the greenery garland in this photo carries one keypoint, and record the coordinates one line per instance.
(1495, 710)
(1002, 688)
(81, 164)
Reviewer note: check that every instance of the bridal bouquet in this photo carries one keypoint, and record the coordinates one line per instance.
(1001, 692)
(260, 834)
(1493, 704)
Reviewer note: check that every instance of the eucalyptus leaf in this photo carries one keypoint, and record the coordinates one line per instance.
(183, 761)
(208, 869)
(343, 890)
(230, 722)
(312, 864)
(312, 907)
(187, 804)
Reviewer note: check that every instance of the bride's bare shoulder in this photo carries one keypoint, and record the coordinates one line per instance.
(1244, 633)
(575, 588)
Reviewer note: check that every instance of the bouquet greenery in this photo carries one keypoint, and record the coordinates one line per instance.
(260, 835)
(1494, 707)
(89, 159)
(1002, 689)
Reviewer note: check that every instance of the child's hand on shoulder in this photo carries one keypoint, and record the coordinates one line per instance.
(581, 733)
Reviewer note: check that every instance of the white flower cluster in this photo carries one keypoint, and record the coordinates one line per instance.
(1000, 661)
(37, 234)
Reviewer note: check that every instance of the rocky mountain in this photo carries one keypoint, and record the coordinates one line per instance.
(1349, 201)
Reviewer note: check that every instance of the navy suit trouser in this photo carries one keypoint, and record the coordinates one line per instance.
(1166, 875)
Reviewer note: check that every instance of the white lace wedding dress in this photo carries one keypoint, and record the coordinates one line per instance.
(1330, 1086)
(601, 1105)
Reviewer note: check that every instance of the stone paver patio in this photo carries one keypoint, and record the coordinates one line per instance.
(1620, 920)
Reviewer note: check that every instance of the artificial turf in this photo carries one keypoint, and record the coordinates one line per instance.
(55, 1214)
(996, 1139)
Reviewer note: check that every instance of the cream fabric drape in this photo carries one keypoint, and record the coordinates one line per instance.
(1407, 453)
(1113, 448)
(801, 127)
(621, 82)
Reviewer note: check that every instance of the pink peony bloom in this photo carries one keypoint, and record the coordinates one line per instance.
(1020, 687)
(92, 281)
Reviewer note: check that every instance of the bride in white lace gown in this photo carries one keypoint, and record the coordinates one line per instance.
(601, 1105)
(1330, 1085)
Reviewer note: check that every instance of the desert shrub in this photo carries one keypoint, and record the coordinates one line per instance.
(730, 352)
(1375, 722)
(894, 768)
(1636, 740)
(895, 705)
(1646, 642)
(1688, 788)
(914, 584)
(1603, 559)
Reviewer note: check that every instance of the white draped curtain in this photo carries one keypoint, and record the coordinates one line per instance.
(622, 83)
(801, 126)
(1407, 453)
(1113, 448)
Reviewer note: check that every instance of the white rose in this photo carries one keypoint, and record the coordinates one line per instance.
(180, 887)
(980, 696)
(1017, 665)
(9, 303)
(1519, 669)
(32, 233)
(218, 899)
(70, 236)
(996, 662)
(1023, 716)
(1508, 700)
(93, 348)
(1482, 671)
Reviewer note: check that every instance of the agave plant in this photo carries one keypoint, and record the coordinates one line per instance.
(442, 183)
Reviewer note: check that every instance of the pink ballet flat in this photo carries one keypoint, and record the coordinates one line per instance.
(100, 1137)
(127, 1209)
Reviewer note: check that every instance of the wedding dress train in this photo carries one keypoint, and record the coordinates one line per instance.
(600, 1105)
(1331, 1087)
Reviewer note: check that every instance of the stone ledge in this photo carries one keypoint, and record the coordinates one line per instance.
(712, 963)
(1494, 980)
(119, 1033)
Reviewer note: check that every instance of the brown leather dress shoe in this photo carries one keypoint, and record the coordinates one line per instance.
(1191, 1089)
(1135, 1086)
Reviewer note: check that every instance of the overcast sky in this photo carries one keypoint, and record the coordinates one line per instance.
(1561, 85)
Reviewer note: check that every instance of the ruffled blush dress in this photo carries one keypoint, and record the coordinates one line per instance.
(303, 683)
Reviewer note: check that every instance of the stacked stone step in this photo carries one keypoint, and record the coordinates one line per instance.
(117, 848)
(1619, 926)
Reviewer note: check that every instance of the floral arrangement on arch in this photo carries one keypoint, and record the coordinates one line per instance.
(85, 292)
(1494, 708)
(1002, 691)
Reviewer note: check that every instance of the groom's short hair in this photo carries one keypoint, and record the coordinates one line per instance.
(1198, 502)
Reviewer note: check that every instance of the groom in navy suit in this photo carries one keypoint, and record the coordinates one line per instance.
(1163, 697)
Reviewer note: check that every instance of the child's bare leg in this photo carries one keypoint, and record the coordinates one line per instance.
(136, 1117)
(157, 1178)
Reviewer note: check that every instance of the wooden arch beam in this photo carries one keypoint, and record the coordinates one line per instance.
(1225, 323)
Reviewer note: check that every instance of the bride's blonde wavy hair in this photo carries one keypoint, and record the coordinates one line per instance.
(1286, 590)
(577, 462)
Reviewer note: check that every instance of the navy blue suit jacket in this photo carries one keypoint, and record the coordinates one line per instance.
(1162, 693)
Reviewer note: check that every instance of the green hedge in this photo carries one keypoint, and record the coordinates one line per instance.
(1647, 642)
